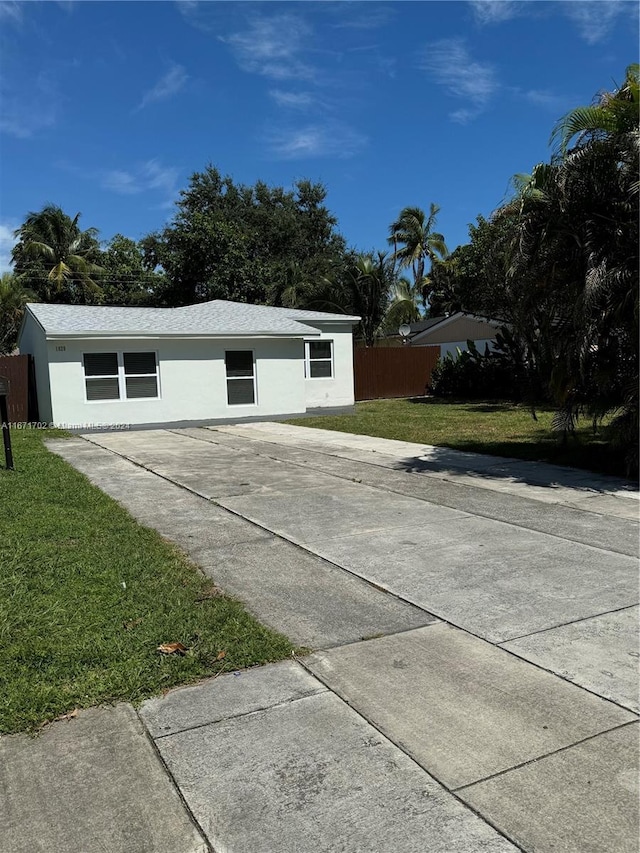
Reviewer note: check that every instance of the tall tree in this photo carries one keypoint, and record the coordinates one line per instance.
(415, 243)
(230, 241)
(126, 278)
(56, 259)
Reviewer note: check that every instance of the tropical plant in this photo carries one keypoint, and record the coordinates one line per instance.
(577, 250)
(415, 243)
(13, 298)
(56, 259)
(366, 283)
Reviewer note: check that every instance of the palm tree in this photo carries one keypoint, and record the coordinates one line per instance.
(56, 259)
(415, 242)
(575, 263)
(367, 284)
(613, 114)
(13, 298)
(404, 304)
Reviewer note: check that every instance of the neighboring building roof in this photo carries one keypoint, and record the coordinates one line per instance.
(423, 325)
(218, 318)
(439, 324)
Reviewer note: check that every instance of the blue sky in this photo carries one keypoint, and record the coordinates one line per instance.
(108, 108)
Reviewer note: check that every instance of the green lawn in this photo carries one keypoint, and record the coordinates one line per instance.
(87, 595)
(502, 429)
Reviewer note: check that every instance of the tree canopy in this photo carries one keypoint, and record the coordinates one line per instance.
(230, 241)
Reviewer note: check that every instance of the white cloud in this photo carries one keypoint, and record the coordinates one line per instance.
(494, 11)
(595, 19)
(315, 141)
(11, 11)
(448, 61)
(26, 112)
(543, 98)
(293, 100)
(170, 84)
(272, 47)
(145, 177)
(7, 242)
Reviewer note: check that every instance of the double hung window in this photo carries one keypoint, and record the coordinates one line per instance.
(318, 359)
(241, 377)
(118, 376)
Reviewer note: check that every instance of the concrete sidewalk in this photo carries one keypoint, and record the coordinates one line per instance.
(474, 680)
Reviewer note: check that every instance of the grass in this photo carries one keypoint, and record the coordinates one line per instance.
(87, 595)
(502, 429)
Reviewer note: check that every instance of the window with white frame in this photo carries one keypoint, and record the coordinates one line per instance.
(140, 374)
(318, 359)
(101, 376)
(114, 376)
(241, 377)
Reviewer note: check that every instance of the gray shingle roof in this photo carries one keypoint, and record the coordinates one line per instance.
(216, 319)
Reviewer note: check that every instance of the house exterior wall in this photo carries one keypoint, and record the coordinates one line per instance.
(460, 329)
(337, 391)
(33, 342)
(191, 376)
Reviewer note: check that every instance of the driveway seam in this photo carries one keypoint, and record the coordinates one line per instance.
(387, 488)
(284, 704)
(594, 492)
(571, 622)
(411, 758)
(546, 755)
(453, 790)
(175, 785)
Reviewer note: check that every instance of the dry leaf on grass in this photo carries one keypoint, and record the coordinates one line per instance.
(132, 623)
(70, 716)
(221, 655)
(172, 648)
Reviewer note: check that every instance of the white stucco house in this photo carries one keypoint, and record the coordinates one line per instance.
(206, 363)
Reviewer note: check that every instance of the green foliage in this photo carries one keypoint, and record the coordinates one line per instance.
(472, 375)
(126, 279)
(559, 264)
(415, 243)
(55, 259)
(13, 298)
(578, 242)
(366, 283)
(230, 241)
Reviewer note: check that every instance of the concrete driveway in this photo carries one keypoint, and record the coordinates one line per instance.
(473, 681)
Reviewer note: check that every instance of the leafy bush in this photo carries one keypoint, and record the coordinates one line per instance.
(471, 375)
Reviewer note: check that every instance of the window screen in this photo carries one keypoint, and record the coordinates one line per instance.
(141, 374)
(319, 359)
(240, 377)
(101, 376)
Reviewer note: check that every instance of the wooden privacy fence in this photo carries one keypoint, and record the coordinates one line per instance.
(393, 371)
(21, 402)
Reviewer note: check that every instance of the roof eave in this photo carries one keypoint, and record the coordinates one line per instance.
(129, 335)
